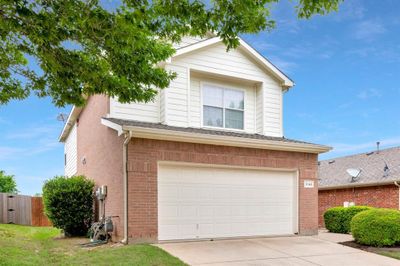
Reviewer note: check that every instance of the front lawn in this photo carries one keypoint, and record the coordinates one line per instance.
(392, 254)
(26, 245)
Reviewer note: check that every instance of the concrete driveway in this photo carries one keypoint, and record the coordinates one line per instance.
(281, 251)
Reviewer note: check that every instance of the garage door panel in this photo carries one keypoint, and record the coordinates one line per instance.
(201, 202)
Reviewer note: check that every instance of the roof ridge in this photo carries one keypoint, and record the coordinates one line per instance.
(360, 153)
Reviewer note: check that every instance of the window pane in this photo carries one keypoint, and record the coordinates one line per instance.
(234, 99)
(212, 96)
(212, 116)
(233, 119)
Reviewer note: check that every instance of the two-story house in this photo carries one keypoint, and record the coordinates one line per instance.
(206, 159)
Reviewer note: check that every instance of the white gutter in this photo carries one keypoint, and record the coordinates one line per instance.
(191, 137)
(352, 185)
(72, 117)
(204, 138)
(125, 184)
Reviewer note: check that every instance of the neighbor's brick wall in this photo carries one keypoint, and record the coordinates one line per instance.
(143, 155)
(102, 149)
(376, 196)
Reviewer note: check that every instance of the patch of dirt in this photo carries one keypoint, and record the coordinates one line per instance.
(353, 244)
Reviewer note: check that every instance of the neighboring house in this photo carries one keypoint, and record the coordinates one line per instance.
(206, 159)
(363, 179)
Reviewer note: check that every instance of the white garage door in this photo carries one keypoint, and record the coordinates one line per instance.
(206, 202)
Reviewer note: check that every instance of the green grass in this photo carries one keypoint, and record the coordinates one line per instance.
(392, 254)
(25, 245)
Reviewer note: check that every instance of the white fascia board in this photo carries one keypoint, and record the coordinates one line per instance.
(73, 115)
(112, 125)
(196, 46)
(163, 134)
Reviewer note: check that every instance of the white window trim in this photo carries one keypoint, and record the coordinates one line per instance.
(223, 86)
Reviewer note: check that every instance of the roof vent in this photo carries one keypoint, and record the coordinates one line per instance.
(377, 146)
(354, 173)
(370, 153)
(331, 161)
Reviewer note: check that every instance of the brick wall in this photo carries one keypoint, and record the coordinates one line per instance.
(376, 196)
(102, 150)
(143, 155)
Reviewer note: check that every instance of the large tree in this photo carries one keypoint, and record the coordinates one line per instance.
(71, 49)
(7, 183)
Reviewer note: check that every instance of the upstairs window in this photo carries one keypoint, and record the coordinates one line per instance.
(223, 107)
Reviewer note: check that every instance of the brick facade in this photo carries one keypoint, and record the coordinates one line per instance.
(144, 154)
(386, 196)
(101, 149)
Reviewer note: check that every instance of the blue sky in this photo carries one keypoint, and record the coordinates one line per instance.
(346, 67)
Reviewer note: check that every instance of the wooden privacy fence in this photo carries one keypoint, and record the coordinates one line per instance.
(24, 210)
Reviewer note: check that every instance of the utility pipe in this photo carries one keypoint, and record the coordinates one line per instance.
(128, 137)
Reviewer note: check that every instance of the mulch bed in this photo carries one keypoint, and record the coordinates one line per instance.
(353, 244)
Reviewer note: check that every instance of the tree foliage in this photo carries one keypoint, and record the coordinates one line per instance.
(7, 183)
(71, 49)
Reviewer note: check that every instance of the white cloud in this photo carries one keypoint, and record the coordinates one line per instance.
(368, 30)
(369, 93)
(9, 152)
(362, 52)
(282, 64)
(34, 132)
(12, 153)
(262, 46)
(353, 9)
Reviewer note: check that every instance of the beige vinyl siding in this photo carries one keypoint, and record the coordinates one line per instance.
(70, 151)
(272, 110)
(259, 109)
(236, 64)
(216, 60)
(195, 102)
(177, 97)
(180, 105)
(146, 112)
(162, 106)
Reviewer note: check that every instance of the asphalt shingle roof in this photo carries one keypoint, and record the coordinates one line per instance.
(123, 122)
(332, 173)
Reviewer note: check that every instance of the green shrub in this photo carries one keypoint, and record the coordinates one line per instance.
(68, 202)
(377, 227)
(337, 219)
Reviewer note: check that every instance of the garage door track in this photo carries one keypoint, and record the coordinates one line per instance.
(274, 251)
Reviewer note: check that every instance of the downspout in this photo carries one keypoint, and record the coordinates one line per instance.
(128, 137)
(398, 185)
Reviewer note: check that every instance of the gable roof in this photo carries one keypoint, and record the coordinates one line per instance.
(249, 50)
(211, 40)
(333, 174)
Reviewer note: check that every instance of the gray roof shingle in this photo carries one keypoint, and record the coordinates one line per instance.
(124, 122)
(332, 173)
